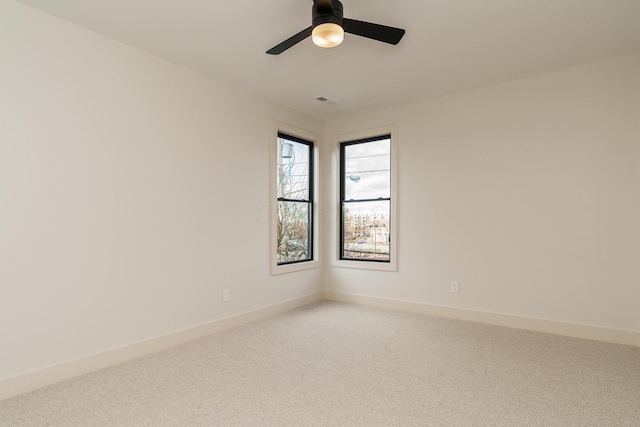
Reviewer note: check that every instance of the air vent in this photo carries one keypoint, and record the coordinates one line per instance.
(325, 100)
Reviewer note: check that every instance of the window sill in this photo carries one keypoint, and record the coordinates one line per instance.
(365, 265)
(290, 268)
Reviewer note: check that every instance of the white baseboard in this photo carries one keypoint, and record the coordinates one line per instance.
(41, 378)
(616, 336)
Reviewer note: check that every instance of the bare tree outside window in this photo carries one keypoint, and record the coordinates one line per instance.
(295, 200)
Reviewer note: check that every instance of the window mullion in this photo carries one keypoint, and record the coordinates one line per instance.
(284, 199)
(367, 200)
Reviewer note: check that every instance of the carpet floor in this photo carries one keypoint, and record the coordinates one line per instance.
(335, 364)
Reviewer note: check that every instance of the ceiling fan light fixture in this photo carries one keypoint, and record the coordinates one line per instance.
(328, 26)
(327, 35)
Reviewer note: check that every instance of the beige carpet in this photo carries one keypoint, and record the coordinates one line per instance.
(333, 364)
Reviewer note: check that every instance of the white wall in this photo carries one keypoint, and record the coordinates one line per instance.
(132, 191)
(527, 193)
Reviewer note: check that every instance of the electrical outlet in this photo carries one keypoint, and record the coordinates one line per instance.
(455, 287)
(226, 295)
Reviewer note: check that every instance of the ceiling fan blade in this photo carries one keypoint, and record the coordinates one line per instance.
(370, 30)
(324, 6)
(290, 42)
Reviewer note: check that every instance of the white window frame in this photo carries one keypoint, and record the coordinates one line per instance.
(392, 265)
(277, 127)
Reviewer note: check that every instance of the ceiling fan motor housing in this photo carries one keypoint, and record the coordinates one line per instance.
(325, 18)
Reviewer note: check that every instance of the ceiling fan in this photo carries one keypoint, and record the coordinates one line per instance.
(328, 28)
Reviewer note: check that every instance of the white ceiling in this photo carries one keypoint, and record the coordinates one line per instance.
(450, 45)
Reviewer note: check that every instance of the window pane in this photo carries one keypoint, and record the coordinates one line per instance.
(293, 243)
(293, 170)
(367, 170)
(366, 230)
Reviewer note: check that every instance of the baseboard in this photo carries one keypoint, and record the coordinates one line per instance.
(41, 378)
(616, 336)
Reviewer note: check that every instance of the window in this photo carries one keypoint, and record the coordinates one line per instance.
(294, 237)
(365, 196)
(294, 195)
(365, 217)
